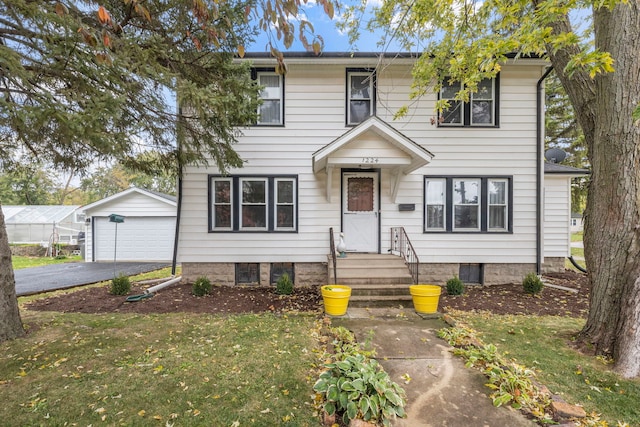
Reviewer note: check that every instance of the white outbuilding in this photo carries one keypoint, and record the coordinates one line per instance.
(146, 231)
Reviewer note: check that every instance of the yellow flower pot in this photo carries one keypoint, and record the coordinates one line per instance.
(336, 299)
(425, 298)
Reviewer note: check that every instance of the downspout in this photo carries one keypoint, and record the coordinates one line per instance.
(179, 202)
(177, 234)
(539, 167)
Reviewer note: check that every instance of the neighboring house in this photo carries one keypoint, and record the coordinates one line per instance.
(146, 234)
(42, 224)
(576, 222)
(557, 208)
(327, 153)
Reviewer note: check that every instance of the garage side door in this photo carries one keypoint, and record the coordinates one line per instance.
(139, 239)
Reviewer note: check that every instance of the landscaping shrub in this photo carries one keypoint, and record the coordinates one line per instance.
(201, 287)
(120, 285)
(356, 386)
(284, 285)
(455, 286)
(532, 284)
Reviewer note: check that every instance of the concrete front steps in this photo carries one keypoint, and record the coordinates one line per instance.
(376, 280)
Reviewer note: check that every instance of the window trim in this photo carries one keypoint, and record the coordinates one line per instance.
(506, 205)
(212, 202)
(466, 113)
(478, 205)
(242, 204)
(373, 85)
(236, 203)
(483, 204)
(255, 75)
(276, 204)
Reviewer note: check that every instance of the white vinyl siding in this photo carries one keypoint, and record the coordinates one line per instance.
(316, 96)
(557, 212)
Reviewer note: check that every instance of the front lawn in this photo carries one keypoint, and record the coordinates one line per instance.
(156, 370)
(544, 344)
(26, 261)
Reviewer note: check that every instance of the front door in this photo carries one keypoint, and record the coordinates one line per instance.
(360, 207)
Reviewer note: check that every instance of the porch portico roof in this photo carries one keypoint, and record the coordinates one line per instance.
(372, 144)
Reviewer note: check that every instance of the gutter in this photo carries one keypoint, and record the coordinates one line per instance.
(539, 171)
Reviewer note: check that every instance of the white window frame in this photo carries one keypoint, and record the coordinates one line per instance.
(265, 204)
(504, 205)
(466, 108)
(276, 204)
(452, 101)
(280, 99)
(372, 99)
(214, 204)
(476, 97)
(478, 204)
(443, 181)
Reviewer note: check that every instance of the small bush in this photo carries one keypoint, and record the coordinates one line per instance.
(284, 285)
(455, 286)
(201, 287)
(120, 285)
(532, 284)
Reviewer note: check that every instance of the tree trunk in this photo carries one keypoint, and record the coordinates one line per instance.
(10, 322)
(612, 219)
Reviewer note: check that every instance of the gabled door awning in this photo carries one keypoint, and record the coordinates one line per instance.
(372, 144)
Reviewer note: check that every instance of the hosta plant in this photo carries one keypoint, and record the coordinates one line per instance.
(357, 387)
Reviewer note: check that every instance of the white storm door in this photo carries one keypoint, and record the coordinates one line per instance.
(360, 211)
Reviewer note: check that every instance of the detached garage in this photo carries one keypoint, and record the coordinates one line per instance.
(146, 234)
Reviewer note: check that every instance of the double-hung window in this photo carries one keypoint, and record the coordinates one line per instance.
(468, 204)
(480, 110)
(253, 203)
(271, 111)
(361, 95)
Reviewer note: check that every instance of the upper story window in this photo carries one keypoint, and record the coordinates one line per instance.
(481, 110)
(253, 203)
(468, 204)
(271, 111)
(361, 95)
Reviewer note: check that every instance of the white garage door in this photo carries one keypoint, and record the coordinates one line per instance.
(139, 239)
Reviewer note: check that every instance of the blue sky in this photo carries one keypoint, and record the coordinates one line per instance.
(333, 39)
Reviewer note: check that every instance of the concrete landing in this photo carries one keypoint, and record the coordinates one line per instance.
(441, 391)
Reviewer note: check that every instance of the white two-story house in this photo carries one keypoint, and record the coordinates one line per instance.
(468, 187)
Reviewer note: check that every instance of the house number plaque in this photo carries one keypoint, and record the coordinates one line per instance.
(370, 160)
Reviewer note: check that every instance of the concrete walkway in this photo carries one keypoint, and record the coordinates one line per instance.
(441, 392)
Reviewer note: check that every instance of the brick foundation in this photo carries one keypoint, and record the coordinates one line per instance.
(553, 265)
(306, 273)
(494, 274)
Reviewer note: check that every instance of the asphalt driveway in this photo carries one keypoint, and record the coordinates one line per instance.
(68, 275)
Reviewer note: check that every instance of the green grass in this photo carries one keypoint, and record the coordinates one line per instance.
(157, 370)
(26, 262)
(577, 236)
(543, 343)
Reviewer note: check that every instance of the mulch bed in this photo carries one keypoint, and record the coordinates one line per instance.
(498, 299)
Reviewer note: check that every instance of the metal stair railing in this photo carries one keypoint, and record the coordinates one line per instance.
(334, 258)
(401, 245)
